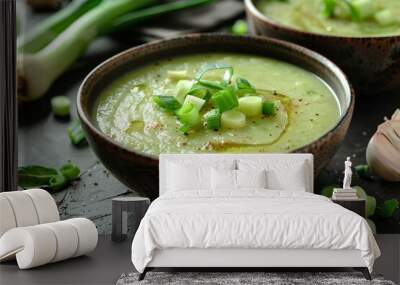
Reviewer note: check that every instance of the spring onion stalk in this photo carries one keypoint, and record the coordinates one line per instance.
(239, 28)
(182, 88)
(61, 106)
(214, 66)
(213, 119)
(49, 29)
(168, 103)
(243, 87)
(200, 91)
(36, 72)
(139, 16)
(75, 133)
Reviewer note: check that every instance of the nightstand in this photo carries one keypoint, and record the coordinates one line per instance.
(357, 206)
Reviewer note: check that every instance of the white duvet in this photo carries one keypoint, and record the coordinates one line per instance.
(250, 219)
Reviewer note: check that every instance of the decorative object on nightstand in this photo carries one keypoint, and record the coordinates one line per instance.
(121, 206)
(346, 193)
(356, 205)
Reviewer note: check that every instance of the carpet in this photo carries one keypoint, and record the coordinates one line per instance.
(243, 278)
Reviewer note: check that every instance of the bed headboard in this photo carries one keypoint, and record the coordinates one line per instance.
(210, 159)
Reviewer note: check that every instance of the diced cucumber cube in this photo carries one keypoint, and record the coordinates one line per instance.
(251, 106)
(233, 119)
(197, 102)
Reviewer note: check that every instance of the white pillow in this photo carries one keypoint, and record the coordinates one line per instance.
(281, 174)
(223, 179)
(183, 177)
(186, 176)
(251, 178)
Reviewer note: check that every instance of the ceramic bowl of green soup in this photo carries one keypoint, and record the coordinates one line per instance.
(212, 93)
(360, 36)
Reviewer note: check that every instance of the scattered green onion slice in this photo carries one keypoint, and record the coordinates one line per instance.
(75, 133)
(233, 119)
(189, 116)
(239, 28)
(70, 171)
(213, 119)
(57, 182)
(362, 170)
(225, 100)
(213, 66)
(328, 8)
(251, 105)
(197, 102)
(169, 103)
(268, 108)
(61, 106)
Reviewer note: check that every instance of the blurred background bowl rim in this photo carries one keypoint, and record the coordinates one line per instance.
(251, 7)
(337, 71)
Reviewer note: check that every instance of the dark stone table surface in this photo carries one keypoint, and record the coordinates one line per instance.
(43, 140)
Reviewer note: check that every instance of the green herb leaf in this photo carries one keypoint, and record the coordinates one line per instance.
(57, 182)
(213, 66)
(35, 176)
(70, 171)
(75, 133)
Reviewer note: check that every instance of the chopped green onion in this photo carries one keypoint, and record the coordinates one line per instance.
(225, 100)
(251, 105)
(243, 87)
(200, 91)
(196, 101)
(57, 182)
(361, 9)
(233, 119)
(213, 119)
(212, 84)
(177, 74)
(239, 28)
(70, 171)
(169, 103)
(189, 116)
(181, 90)
(385, 17)
(213, 66)
(268, 108)
(362, 170)
(75, 133)
(328, 8)
(60, 106)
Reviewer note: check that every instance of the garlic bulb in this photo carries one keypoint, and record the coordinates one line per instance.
(383, 151)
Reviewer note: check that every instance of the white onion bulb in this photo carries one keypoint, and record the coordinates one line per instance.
(383, 151)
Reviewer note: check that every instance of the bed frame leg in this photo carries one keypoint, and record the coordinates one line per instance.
(142, 275)
(365, 272)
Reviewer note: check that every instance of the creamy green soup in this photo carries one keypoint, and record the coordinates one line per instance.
(382, 17)
(306, 108)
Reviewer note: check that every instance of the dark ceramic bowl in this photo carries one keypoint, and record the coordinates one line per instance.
(371, 63)
(140, 172)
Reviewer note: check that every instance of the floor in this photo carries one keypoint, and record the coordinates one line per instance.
(110, 260)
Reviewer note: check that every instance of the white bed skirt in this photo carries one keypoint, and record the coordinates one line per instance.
(192, 257)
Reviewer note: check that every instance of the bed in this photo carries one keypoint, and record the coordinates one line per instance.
(246, 211)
